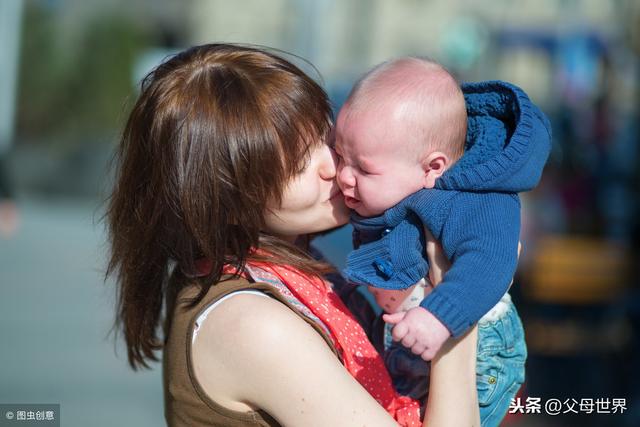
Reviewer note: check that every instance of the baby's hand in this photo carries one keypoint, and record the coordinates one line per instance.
(419, 331)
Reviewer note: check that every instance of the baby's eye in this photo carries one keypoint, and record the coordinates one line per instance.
(365, 172)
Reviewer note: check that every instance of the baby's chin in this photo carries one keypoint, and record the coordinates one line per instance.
(362, 208)
(366, 211)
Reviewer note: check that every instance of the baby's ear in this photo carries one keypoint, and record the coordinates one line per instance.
(434, 166)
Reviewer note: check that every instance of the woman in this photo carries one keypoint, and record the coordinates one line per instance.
(224, 172)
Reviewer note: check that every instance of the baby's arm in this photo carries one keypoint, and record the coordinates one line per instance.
(480, 237)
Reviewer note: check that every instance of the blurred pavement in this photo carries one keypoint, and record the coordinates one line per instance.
(55, 316)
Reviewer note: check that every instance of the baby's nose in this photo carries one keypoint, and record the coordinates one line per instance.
(345, 177)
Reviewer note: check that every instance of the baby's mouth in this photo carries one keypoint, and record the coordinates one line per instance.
(351, 201)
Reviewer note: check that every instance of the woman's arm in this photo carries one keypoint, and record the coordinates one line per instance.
(255, 350)
(453, 398)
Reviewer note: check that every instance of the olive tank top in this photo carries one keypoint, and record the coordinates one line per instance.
(185, 401)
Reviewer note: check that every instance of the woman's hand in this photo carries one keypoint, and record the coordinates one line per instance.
(438, 262)
(453, 398)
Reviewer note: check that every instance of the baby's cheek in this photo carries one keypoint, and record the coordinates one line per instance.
(383, 196)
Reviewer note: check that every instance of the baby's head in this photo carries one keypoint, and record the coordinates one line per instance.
(402, 126)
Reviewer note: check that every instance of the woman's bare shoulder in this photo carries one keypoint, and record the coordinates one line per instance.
(248, 317)
(257, 350)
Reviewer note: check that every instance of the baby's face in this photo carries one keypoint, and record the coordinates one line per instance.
(376, 168)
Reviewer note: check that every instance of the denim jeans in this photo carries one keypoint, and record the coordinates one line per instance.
(501, 357)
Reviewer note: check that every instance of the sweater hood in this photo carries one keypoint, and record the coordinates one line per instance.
(508, 141)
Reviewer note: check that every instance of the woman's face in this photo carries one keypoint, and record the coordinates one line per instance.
(312, 201)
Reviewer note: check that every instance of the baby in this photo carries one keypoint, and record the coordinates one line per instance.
(416, 150)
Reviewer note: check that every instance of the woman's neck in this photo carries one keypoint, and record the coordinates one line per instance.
(291, 239)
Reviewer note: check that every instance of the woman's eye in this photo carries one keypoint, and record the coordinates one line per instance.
(303, 166)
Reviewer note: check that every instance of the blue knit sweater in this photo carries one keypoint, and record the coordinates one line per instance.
(474, 211)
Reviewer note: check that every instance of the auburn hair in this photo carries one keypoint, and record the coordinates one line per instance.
(215, 135)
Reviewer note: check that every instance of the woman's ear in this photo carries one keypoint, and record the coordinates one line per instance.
(434, 166)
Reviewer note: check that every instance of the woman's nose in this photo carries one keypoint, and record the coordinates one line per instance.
(329, 164)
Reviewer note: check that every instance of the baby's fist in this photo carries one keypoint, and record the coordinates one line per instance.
(419, 330)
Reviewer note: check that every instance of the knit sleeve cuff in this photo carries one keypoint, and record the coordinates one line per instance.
(360, 268)
(451, 315)
(373, 265)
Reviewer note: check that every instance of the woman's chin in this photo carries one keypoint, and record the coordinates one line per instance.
(341, 215)
(338, 204)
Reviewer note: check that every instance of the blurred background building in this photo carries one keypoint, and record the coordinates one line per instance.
(69, 72)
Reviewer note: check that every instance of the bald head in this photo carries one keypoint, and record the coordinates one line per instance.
(420, 94)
